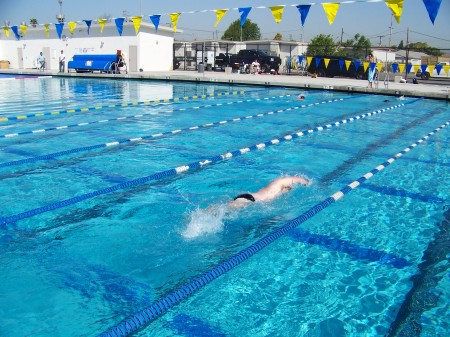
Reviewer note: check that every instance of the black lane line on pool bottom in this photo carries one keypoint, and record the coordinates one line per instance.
(421, 297)
(158, 308)
(181, 169)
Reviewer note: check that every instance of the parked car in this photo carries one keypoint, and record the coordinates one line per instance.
(246, 57)
(336, 67)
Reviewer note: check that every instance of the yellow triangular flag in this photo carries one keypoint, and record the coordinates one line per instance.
(396, 6)
(308, 60)
(47, 28)
(416, 68)
(331, 10)
(174, 19)
(219, 13)
(326, 62)
(365, 65)
(347, 64)
(446, 69)
(430, 69)
(102, 24)
(23, 28)
(401, 67)
(72, 26)
(277, 12)
(137, 23)
(6, 29)
(379, 66)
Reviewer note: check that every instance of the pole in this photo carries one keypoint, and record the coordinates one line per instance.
(407, 53)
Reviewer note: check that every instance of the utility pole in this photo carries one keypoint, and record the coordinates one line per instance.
(379, 44)
(342, 35)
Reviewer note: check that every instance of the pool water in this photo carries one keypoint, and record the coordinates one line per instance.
(86, 244)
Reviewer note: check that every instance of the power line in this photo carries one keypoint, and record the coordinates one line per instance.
(433, 37)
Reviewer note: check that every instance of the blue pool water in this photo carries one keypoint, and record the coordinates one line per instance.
(96, 224)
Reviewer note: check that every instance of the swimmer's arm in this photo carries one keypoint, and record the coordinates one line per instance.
(290, 181)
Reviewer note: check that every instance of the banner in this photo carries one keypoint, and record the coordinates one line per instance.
(119, 25)
(303, 10)
(137, 23)
(396, 6)
(219, 14)
(432, 7)
(102, 24)
(347, 64)
(155, 20)
(401, 68)
(72, 26)
(6, 30)
(394, 67)
(365, 65)
(341, 64)
(47, 29)
(308, 60)
(23, 28)
(174, 19)
(277, 12)
(15, 30)
(408, 68)
(379, 67)
(438, 68)
(88, 24)
(244, 13)
(59, 28)
(326, 60)
(331, 10)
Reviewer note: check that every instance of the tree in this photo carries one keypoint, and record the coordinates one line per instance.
(322, 45)
(250, 31)
(278, 37)
(358, 47)
(401, 45)
(425, 48)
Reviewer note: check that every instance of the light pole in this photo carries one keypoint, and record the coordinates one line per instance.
(60, 16)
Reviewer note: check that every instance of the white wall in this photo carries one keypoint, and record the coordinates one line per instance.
(155, 49)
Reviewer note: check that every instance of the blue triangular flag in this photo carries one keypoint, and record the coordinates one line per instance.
(424, 67)
(408, 68)
(318, 59)
(357, 64)
(15, 30)
(59, 28)
(119, 25)
(155, 20)
(438, 68)
(432, 7)
(303, 10)
(341, 64)
(244, 13)
(88, 23)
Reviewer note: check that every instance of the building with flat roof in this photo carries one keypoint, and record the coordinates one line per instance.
(149, 50)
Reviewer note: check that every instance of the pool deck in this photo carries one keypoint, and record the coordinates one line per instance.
(422, 89)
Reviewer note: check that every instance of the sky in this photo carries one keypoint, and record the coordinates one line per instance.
(371, 19)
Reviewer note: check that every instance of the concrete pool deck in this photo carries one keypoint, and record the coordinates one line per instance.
(423, 89)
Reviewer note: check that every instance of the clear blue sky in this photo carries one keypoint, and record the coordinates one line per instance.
(372, 19)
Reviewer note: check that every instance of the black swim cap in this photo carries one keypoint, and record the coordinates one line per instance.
(247, 196)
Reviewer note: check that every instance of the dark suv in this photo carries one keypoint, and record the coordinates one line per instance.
(336, 67)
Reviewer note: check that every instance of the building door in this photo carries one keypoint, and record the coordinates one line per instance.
(132, 59)
(46, 52)
(20, 57)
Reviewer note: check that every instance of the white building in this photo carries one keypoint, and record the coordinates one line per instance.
(149, 50)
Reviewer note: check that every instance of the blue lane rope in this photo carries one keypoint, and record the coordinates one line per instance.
(119, 105)
(181, 169)
(157, 135)
(158, 308)
(62, 127)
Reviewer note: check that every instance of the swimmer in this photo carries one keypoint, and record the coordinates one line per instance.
(300, 98)
(276, 188)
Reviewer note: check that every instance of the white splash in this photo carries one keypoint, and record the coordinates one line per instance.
(205, 221)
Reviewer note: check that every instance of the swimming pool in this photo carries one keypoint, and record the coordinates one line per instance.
(106, 187)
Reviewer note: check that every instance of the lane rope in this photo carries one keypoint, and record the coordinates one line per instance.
(157, 135)
(158, 308)
(119, 105)
(103, 121)
(182, 169)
